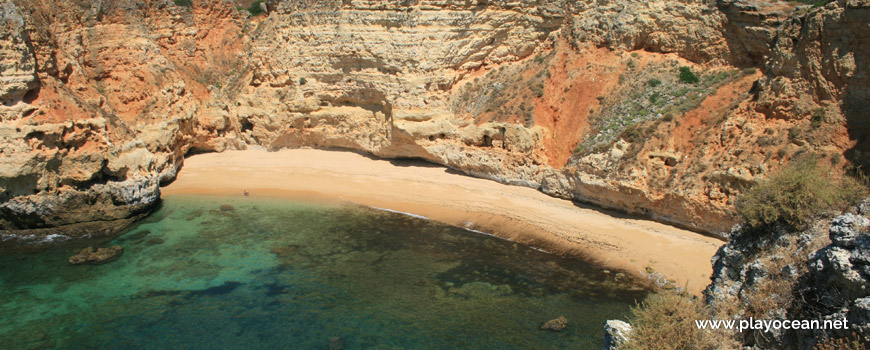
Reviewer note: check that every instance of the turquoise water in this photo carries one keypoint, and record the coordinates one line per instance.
(276, 274)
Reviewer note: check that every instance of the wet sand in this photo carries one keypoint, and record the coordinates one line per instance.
(520, 214)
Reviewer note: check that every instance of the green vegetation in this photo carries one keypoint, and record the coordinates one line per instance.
(633, 134)
(794, 133)
(183, 3)
(303, 81)
(506, 94)
(666, 320)
(817, 118)
(687, 76)
(538, 89)
(646, 96)
(254, 9)
(796, 193)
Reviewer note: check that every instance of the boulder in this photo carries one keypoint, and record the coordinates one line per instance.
(846, 230)
(616, 333)
(556, 324)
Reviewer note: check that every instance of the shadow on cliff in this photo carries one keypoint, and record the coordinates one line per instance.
(855, 107)
(856, 104)
(422, 163)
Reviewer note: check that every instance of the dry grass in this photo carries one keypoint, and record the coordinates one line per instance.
(774, 293)
(797, 193)
(852, 342)
(666, 321)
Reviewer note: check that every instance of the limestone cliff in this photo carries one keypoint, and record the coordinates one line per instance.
(582, 99)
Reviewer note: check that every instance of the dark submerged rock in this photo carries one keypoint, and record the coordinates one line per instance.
(99, 256)
(556, 324)
(336, 343)
(140, 234)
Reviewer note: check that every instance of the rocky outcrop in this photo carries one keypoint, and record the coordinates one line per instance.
(751, 27)
(692, 29)
(102, 100)
(616, 333)
(807, 70)
(827, 277)
(839, 276)
(17, 66)
(110, 118)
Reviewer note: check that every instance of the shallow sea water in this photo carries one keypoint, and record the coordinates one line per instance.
(278, 274)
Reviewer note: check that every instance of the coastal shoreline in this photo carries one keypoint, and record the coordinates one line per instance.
(520, 214)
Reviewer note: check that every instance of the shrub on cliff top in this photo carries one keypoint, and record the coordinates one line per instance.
(183, 3)
(666, 320)
(796, 193)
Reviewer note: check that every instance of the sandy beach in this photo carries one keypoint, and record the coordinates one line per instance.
(520, 214)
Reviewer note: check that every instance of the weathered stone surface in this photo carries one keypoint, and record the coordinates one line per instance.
(846, 230)
(689, 28)
(17, 66)
(751, 27)
(845, 263)
(616, 333)
(832, 284)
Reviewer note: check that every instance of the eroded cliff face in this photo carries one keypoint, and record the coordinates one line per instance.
(108, 111)
(101, 100)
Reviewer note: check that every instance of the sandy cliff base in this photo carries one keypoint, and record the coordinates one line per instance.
(516, 213)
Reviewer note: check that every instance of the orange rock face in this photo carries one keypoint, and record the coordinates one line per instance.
(101, 101)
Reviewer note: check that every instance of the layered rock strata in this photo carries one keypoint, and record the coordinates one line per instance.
(102, 100)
